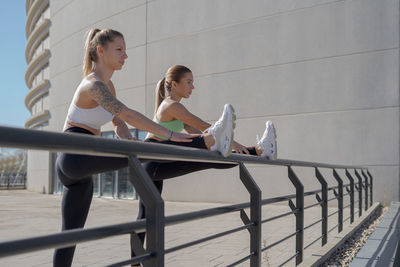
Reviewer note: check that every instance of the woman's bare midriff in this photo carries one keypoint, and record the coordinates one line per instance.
(70, 124)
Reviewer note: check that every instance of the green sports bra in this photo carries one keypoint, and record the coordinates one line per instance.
(175, 126)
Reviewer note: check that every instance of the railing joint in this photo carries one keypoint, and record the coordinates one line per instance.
(292, 206)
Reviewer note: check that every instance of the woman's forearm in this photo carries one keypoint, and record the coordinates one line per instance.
(122, 131)
(141, 122)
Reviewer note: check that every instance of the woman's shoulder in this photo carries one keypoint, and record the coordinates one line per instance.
(169, 103)
(172, 107)
(89, 82)
(168, 110)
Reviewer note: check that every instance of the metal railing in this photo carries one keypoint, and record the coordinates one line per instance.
(13, 181)
(156, 221)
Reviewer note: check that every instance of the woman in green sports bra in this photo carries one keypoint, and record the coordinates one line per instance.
(170, 113)
(174, 125)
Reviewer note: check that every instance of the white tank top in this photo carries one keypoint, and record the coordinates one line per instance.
(92, 117)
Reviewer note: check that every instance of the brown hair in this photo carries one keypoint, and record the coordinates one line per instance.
(174, 73)
(94, 38)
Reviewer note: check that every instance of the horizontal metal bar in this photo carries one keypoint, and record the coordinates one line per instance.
(279, 216)
(276, 199)
(333, 213)
(134, 260)
(192, 243)
(241, 260)
(68, 238)
(311, 225)
(312, 192)
(313, 205)
(94, 145)
(287, 197)
(332, 198)
(332, 187)
(279, 241)
(290, 258)
(178, 218)
(195, 215)
(346, 194)
(313, 242)
(333, 228)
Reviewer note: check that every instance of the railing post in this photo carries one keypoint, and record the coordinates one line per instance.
(154, 212)
(366, 188)
(299, 215)
(340, 200)
(359, 189)
(351, 196)
(324, 206)
(255, 215)
(370, 187)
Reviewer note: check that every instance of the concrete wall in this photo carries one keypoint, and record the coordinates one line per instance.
(37, 79)
(325, 71)
(39, 172)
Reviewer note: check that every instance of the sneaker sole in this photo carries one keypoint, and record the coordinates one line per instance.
(275, 154)
(232, 111)
(271, 128)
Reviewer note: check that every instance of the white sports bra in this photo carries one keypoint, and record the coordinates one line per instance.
(92, 117)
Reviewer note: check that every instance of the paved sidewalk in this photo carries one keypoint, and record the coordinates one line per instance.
(25, 214)
(381, 246)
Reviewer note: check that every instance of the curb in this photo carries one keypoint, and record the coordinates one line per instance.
(320, 256)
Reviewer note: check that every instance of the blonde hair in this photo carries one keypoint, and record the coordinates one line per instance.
(174, 73)
(94, 38)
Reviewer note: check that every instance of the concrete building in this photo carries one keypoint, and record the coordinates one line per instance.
(325, 71)
(37, 78)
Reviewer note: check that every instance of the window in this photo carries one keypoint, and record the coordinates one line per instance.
(113, 184)
(116, 184)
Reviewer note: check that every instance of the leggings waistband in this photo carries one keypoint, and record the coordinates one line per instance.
(76, 129)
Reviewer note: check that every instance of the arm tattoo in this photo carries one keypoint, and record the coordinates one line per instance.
(102, 95)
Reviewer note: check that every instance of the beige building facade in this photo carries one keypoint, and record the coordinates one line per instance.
(37, 78)
(326, 72)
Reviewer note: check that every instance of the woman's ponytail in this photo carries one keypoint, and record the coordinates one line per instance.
(90, 52)
(160, 93)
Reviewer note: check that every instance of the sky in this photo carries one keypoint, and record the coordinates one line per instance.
(12, 64)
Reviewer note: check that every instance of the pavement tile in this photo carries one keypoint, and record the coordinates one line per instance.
(380, 248)
(357, 262)
(390, 222)
(384, 233)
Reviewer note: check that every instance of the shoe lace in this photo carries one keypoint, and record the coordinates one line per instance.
(217, 124)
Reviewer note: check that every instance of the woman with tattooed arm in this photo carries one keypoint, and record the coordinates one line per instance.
(93, 105)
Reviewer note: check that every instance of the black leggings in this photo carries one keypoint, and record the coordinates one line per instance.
(159, 171)
(75, 172)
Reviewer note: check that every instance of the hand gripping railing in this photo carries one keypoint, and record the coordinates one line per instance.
(156, 221)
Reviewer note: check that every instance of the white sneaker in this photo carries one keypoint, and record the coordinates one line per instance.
(267, 142)
(222, 131)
